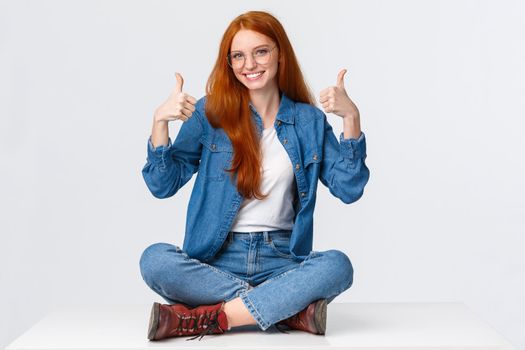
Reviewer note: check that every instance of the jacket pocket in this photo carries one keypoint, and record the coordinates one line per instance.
(216, 158)
(311, 157)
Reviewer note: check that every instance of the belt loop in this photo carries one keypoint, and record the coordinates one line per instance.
(230, 236)
(266, 237)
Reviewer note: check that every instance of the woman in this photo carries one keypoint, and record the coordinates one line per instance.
(260, 146)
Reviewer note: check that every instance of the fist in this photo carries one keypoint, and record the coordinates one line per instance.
(334, 99)
(179, 105)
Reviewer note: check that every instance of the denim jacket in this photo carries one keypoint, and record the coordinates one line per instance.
(314, 151)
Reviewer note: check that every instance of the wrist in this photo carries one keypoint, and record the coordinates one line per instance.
(158, 121)
(351, 116)
(351, 127)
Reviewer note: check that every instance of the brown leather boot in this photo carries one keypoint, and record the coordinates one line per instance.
(311, 319)
(181, 320)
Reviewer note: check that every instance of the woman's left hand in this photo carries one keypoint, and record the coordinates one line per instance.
(334, 99)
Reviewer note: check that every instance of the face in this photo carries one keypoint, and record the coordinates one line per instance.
(248, 42)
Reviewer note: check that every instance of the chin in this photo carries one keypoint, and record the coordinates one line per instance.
(255, 86)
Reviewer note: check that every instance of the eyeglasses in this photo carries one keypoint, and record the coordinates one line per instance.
(261, 55)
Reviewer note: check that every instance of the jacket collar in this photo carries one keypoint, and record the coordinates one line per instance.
(286, 109)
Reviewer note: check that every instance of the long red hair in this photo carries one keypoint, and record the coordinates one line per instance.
(227, 99)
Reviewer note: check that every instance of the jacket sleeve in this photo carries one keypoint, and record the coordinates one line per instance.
(343, 168)
(169, 167)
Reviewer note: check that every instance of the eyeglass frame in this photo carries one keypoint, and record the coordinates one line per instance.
(228, 58)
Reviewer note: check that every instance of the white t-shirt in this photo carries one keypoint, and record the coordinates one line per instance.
(275, 212)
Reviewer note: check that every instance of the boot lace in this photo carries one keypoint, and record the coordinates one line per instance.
(207, 321)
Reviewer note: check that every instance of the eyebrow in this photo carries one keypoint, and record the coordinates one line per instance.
(256, 47)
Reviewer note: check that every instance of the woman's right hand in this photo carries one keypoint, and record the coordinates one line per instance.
(179, 105)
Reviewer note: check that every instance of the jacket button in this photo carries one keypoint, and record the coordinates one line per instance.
(303, 194)
(297, 166)
(285, 141)
(315, 156)
(278, 122)
(212, 146)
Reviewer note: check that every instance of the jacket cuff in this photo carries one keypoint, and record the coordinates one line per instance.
(158, 155)
(353, 148)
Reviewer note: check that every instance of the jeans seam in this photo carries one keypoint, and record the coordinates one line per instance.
(251, 308)
(233, 278)
(279, 276)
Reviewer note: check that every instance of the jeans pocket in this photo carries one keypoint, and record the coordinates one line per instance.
(280, 246)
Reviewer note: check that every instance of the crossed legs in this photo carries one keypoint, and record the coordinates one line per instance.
(322, 275)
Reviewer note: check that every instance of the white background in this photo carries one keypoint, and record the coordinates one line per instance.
(439, 85)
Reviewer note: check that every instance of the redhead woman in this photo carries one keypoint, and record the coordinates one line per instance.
(259, 146)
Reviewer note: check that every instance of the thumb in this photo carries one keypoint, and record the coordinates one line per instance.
(180, 82)
(340, 79)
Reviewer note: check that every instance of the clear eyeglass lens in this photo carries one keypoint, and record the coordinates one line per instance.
(261, 56)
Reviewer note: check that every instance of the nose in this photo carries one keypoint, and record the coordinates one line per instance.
(250, 62)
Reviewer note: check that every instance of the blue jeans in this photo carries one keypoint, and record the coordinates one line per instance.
(255, 266)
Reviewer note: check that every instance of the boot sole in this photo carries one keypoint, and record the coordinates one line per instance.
(153, 321)
(320, 316)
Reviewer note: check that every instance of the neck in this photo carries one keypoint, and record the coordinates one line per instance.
(266, 104)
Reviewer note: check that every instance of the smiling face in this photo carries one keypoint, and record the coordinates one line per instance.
(253, 75)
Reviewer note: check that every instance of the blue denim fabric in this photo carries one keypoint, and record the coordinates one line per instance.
(258, 267)
(313, 149)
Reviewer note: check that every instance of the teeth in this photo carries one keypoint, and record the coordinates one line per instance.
(253, 75)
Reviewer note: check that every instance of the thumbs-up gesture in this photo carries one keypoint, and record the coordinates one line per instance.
(179, 105)
(334, 99)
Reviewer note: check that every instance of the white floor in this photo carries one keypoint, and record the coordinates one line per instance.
(367, 326)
